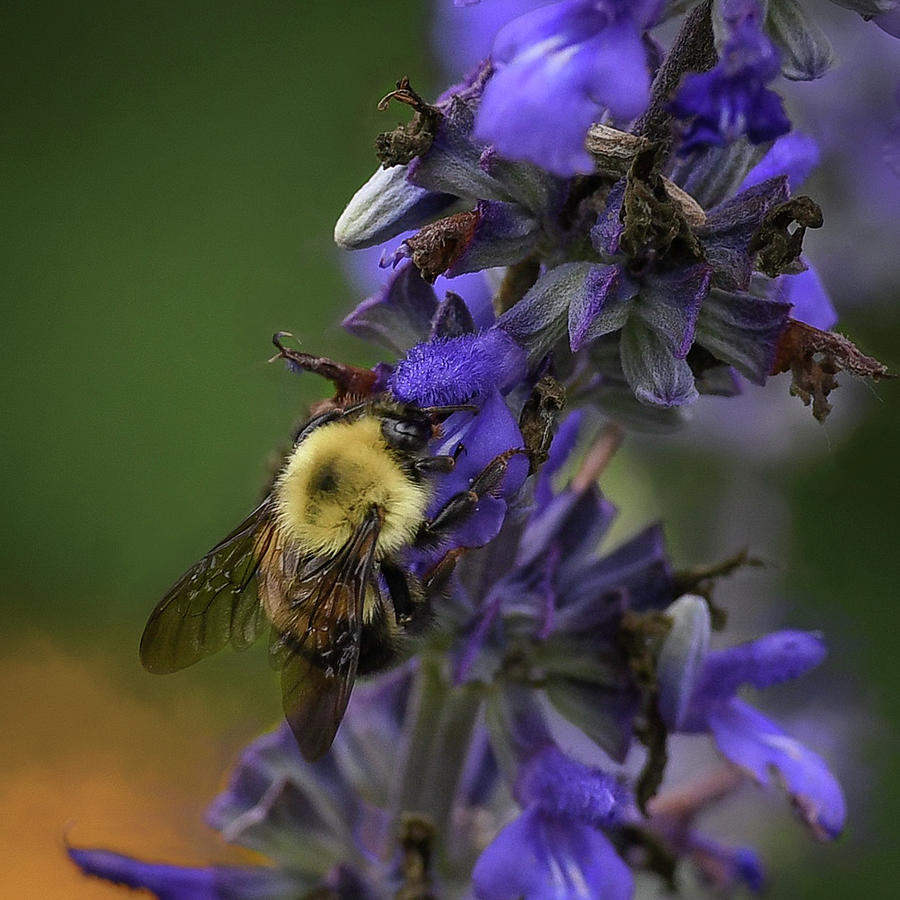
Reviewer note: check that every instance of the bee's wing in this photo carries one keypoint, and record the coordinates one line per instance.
(214, 602)
(318, 655)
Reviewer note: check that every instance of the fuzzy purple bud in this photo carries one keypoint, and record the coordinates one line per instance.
(448, 371)
(563, 787)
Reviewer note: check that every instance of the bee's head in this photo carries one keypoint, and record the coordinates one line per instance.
(411, 427)
(408, 428)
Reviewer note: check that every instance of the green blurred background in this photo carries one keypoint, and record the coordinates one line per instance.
(170, 175)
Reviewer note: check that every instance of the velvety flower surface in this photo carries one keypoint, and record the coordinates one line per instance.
(542, 857)
(454, 370)
(564, 788)
(556, 847)
(558, 69)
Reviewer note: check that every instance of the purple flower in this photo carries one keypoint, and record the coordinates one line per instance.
(467, 368)
(564, 788)
(397, 316)
(187, 883)
(495, 234)
(558, 69)
(760, 747)
(461, 38)
(889, 22)
(450, 371)
(732, 99)
(559, 599)
(650, 282)
(809, 300)
(541, 857)
(722, 866)
(309, 819)
(402, 311)
(555, 850)
(657, 314)
(484, 436)
(794, 155)
(748, 738)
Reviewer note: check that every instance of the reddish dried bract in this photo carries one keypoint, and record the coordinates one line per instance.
(352, 383)
(438, 246)
(815, 357)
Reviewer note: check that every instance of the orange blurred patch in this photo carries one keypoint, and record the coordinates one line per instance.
(84, 760)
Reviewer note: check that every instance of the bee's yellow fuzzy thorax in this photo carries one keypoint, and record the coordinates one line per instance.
(332, 479)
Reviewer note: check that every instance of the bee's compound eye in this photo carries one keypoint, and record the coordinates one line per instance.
(405, 434)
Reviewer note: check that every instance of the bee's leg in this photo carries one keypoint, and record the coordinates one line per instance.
(439, 464)
(437, 577)
(463, 504)
(411, 608)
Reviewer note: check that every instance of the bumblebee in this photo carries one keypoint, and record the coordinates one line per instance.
(319, 561)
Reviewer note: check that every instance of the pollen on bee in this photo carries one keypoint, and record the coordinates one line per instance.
(335, 476)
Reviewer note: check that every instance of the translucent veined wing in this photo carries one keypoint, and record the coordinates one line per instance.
(317, 637)
(215, 602)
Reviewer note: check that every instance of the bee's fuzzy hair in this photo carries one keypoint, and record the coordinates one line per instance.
(334, 477)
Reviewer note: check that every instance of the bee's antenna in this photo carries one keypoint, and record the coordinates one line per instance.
(441, 410)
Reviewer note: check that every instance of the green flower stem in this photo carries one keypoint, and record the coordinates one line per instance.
(443, 717)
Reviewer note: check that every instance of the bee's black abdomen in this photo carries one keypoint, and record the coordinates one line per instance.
(377, 644)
